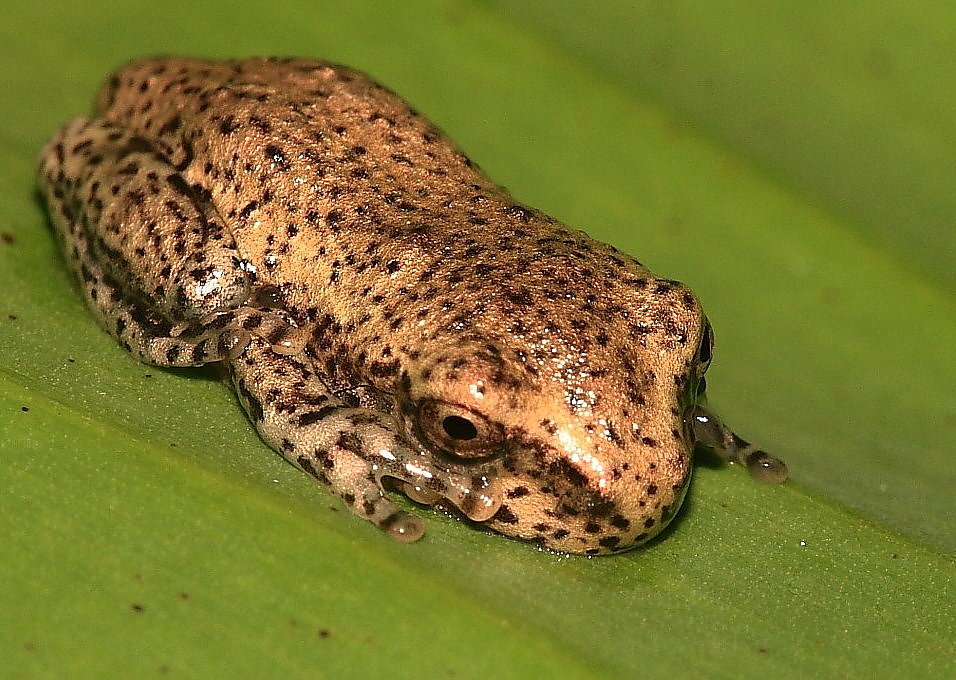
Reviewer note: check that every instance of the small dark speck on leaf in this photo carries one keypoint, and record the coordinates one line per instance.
(138, 608)
(148, 375)
(184, 596)
(12, 317)
(324, 633)
(24, 408)
(29, 646)
(7, 237)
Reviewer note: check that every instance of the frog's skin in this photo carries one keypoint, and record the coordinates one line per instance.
(386, 312)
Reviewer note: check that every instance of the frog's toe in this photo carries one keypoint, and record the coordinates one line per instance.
(477, 498)
(766, 468)
(374, 506)
(402, 526)
(420, 494)
(477, 504)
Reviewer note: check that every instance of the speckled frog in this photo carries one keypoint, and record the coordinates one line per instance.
(390, 318)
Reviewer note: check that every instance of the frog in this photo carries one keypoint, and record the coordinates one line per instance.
(392, 321)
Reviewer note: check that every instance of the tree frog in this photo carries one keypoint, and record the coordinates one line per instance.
(390, 318)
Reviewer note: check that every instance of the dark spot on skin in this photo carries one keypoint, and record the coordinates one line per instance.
(620, 522)
(565, 470)
(518, 492)
(520, 213)
(307, 465)
(313, 417)
(277, 156)
(592, 528)
(171, 126)
(350, 442)
(505, 516)
(254, 406)
(248, 209)
(609, 542)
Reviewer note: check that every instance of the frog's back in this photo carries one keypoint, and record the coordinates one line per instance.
(328, 146)
(328, 180)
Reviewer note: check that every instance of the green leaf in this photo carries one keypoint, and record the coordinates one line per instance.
(144, 529)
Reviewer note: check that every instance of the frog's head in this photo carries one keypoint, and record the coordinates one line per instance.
(578, 429)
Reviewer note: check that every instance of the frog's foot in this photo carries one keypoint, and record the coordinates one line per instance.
(710, 432)
(477, 497)
(358, 486)
(230, 331)
(353, 450)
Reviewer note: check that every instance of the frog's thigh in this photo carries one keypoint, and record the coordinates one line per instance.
(350, 449)
(150, 252)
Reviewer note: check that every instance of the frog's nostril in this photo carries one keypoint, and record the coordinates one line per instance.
(459, 428)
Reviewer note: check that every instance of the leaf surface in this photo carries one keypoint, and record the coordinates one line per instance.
(145, 530)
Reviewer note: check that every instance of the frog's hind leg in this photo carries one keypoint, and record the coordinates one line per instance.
(156, 263)
(350, 449)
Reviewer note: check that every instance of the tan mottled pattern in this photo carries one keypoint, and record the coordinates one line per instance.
(386, 311)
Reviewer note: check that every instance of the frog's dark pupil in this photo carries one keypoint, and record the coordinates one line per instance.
(457, 427)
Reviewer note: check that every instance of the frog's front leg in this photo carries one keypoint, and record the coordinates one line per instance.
(155, 261)
(710, 432)
(350, 449)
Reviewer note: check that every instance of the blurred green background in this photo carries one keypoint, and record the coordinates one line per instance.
(794, 163)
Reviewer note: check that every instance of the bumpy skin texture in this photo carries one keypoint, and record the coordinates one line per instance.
(385, 310)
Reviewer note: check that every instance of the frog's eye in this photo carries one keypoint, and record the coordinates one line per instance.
(458, 431)
(706, 351)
